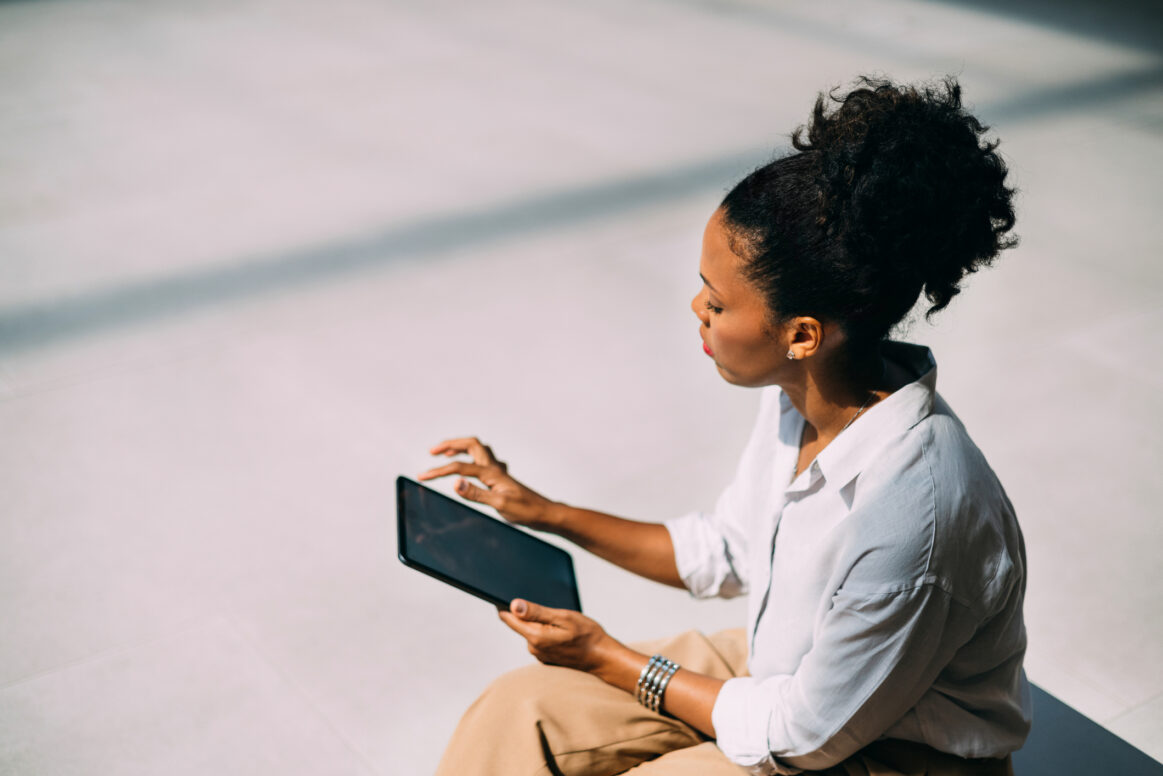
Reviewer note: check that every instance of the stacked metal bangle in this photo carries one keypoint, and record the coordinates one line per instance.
(653, 680)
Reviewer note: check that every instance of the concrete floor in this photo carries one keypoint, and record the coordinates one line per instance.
(256, 257)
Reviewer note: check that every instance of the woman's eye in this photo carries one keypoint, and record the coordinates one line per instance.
(712, 308)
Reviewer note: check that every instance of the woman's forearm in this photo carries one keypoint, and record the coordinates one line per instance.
(644, 548)
(689, 696)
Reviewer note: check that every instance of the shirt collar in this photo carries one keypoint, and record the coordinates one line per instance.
(853, 449)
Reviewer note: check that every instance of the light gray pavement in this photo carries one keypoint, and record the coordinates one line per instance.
(256, 257)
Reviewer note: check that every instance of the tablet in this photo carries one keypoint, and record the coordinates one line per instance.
(491, 559)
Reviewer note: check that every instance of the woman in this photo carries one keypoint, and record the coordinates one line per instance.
(883, 564)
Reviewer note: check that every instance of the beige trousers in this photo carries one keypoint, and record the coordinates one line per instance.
(549, 721)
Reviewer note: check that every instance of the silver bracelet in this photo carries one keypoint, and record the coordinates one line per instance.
(652, 682)
(645, 678)
(670, 671)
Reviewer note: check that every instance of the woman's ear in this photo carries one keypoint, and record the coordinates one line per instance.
(805, 337)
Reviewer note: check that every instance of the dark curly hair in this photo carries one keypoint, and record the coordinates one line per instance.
(892, 193)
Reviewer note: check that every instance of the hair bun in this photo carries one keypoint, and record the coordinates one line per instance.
(907, 180)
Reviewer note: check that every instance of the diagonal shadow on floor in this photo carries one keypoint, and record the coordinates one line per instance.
(37, 325)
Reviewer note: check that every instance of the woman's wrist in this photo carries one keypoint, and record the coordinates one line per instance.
(620, 666)
(554, 518)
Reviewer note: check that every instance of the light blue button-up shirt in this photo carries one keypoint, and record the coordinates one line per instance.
(884, 585)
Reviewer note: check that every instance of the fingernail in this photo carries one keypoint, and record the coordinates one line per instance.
(461, 485)
(519, 607)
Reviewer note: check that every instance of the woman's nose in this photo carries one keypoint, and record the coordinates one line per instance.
(699, 308)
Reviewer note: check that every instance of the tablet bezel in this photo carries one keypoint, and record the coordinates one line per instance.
(403, 483)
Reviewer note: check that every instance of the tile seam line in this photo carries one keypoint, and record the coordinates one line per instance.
(181, 627)
(231, 622)
(1132, 709)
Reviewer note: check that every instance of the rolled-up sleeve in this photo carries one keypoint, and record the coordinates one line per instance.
(706, 561)
(872, 661)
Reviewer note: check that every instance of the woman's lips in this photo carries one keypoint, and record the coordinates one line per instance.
(707, 350)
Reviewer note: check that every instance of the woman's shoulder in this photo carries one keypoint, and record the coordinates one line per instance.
(929, 509)
(977, 539)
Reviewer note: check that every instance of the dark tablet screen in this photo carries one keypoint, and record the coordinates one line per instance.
(479, 554)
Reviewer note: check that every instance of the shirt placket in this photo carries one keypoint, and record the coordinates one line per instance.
(801, 486)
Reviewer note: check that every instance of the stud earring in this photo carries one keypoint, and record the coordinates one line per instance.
(791, 355)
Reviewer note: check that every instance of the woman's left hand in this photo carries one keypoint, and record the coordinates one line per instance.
(562, 637)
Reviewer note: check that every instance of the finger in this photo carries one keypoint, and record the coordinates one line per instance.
(497, 464)
(530, 631)
(493, 460)
(480, 452)
(463, 468)
(531, 612)
(453, 446)
(447, 447)
(467, 490)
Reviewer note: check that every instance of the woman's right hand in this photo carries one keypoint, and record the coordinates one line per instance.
(644, 548)
(515, 502)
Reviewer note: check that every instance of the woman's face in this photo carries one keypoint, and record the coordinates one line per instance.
(733, 315)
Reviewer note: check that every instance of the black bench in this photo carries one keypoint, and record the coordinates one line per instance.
(1063, 743)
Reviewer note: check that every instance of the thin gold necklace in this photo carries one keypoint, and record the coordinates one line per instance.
(852, 420)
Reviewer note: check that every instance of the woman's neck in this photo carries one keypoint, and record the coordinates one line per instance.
(830, 396)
